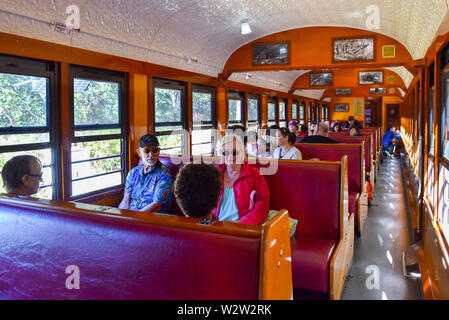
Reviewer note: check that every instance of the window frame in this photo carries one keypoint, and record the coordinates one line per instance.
(273, 100)
(172, 85)
(295, 107)
(100, 75)
(206, 124)
(285, 120)
(257, 97)
(43, 69)
(239, 96)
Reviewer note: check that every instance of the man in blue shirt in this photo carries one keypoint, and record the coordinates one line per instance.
(149, 186)
(387, 140)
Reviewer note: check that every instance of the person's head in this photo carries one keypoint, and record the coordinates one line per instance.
(337, 127)
(238, 130)
(304, 128)
(270, 133)
(354, 131)
(293, 126)
(284, 137)
(393, 128)
(231, 149)
(351, 120)
(323, 129)
(197, 189)
(149, 150)
(22, 175)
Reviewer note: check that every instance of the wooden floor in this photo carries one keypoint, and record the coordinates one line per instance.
(379, 250)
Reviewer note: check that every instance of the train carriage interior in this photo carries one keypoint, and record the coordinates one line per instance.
(362, 214)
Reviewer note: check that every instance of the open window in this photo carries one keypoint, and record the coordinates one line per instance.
(253, 115)
(169, 116)
(283, 113)
(28, 117)
(203, 120)
(98, 135)
(272, 112)
(235, 108)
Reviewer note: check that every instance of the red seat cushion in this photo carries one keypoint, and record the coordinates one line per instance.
(310, 262)
(352, 202)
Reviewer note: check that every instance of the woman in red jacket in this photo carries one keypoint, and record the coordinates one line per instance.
(245, 196)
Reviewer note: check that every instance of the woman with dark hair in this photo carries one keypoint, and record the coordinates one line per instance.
(286, 145)
(355, 132)
(337, 127)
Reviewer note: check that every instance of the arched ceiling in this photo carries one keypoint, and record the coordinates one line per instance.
(200, 35)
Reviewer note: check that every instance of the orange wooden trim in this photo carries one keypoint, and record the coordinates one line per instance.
(65, 173)
(75, 208)
(275, 276)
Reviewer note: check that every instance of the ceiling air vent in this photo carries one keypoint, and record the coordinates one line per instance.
(389, 51)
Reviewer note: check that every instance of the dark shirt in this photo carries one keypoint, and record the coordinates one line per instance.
(356, 123)
(317, 139)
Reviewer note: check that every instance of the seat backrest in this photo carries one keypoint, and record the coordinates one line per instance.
(123, 255)
(334, 152)
(311, 192)
(351, 140)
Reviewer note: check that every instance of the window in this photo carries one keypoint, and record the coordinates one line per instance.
(27, 117)
(272, 114)
(203, 118)
(253, 112)
(431, 144)
(444, 144)
(283, 113)
(295, 110)
(235, 108)
(99, 131)
(302, 110)
(443, 211)
(169, 116)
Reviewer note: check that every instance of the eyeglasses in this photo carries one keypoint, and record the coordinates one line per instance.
(37, 176)
(234, 153)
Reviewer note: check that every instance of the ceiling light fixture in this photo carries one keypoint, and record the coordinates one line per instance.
(245, 28)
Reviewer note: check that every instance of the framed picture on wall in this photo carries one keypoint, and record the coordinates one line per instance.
(371, 77)
(271, 53)
(341, 107)
(378, 90)
(343, 92)
(354, 49)
(321, 79)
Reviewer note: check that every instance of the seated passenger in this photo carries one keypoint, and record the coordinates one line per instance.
(354, 132)
(293, 127)
(303, 133)
(312, 128)
(321, 136)
(388, 145)
(270, 138)
(197, 188)
(149, 185)
(286, 146)
(22, 175)
(337, 127)
(353, 123)
(244, 196)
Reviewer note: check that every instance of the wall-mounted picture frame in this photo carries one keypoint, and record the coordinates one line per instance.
(341, 107)
(271, 53)
(343, 92)
(354, 49)
(321, 79)
(378, 90)
(371, 77)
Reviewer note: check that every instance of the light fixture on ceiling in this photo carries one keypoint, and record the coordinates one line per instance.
(245, 28)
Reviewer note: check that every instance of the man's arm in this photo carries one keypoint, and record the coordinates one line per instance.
(126, 201)
(152, 207)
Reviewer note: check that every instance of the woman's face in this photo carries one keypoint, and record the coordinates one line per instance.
(280, 139)
(352, 132)
(232, 154)
(293, 129)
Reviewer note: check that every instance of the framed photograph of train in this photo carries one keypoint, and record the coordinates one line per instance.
(354, 49)
(378, 90)
(341, 107)
(277, 53)
(343, 92)
(321, 79)
(371, 77)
